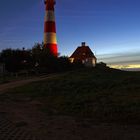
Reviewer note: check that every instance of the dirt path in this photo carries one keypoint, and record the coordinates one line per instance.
(11, 85)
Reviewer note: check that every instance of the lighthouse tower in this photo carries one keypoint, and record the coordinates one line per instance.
(50, 41)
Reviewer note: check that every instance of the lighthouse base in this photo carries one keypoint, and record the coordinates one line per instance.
(52, 49)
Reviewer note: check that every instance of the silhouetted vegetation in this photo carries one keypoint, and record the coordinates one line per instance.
(16, 60)
(38, 60)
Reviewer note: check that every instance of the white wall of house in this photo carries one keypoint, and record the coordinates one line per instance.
(90, 62)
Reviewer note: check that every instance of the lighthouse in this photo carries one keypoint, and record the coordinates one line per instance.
(50, 41)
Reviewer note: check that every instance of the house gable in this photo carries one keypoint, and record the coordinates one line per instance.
(84, 54)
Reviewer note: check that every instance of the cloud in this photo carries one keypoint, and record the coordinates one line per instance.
(121, 59)
(126, 61)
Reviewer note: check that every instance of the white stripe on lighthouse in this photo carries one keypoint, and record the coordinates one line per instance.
(49, 16)
(50, 38)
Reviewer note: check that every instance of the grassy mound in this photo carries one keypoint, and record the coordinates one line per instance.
(104, 95)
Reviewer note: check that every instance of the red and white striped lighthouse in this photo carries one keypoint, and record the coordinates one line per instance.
(50, 41)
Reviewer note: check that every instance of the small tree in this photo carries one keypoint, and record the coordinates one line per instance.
(16, 60)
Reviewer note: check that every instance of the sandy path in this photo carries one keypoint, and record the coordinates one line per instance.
(11, 85)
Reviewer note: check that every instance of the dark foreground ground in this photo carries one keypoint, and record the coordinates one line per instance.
(87, 104)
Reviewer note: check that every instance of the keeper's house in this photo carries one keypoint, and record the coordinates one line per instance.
(84, 55)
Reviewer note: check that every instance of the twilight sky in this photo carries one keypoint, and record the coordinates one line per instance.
(110, 27)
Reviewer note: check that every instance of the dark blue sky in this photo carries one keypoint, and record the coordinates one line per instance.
(110, 27)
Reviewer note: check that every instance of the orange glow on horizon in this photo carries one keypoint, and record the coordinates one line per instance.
(129, 66)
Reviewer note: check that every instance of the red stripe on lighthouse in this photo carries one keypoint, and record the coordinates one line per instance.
(50, 4)
(49, 7)
(49, 27)
(52, 48)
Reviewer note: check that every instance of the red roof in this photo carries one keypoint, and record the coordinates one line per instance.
(83, 52)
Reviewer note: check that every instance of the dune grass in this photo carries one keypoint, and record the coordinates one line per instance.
(102, 95)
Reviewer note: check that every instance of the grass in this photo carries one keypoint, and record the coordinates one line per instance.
(101, 95)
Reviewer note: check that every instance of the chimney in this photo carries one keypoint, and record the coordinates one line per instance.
(83, 44)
